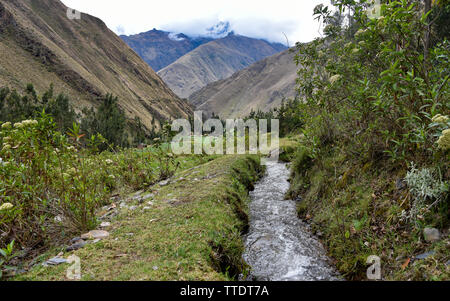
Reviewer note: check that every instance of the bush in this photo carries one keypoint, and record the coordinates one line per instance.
(373, 87)
(428, 191)
(51, 185)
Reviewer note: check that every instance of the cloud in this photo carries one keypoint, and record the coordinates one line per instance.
(120, 30)
(175, 37)
(265, 19)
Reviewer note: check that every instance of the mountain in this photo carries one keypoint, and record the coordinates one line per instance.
(262, 86)
(39, 44)
(160, 48)
(214, 61)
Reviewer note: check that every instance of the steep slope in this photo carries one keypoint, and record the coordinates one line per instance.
(39, 44)
(160, 48)
(262, 86)
(214, 61)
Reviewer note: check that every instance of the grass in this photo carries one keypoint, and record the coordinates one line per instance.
(356, 209)
(192, 231)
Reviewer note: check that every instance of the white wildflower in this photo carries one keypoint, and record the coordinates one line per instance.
(360, 32)
(335, 78)
(440, 119)
(6, 125)
(6, 206)
(444, 140)
(6, 146)
(349, 44)
(18, 125)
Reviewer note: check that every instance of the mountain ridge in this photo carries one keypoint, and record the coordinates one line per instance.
(161, 48)
(215, 60)
(261, 86)
(39, 44)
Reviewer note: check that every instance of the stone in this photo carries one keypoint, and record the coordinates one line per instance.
(105, 224)
(95, 234)
(75, 240)
(164, 183)
(148, 196)
(431, 234)
(425, 255)
(76, 246)
(55, 261)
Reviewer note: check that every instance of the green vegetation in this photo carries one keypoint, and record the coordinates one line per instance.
(108, 119)
(52, 183)
(57, 175)
(373, 166)
(192, 230)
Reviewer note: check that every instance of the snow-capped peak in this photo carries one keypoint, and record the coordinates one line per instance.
(176, 37)
(220, 30)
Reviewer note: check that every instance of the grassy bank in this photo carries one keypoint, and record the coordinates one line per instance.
(191, 230)
(356, 209)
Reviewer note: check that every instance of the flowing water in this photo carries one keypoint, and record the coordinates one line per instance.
(279, 246)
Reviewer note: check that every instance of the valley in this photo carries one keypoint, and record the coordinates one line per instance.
(354, 186)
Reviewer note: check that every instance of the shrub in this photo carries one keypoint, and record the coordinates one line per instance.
(428, 191)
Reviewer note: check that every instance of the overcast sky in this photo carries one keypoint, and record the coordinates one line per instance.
(267, 19)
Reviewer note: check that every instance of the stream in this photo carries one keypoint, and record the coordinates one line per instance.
(279, 246)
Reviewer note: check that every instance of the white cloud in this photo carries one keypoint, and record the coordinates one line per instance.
(266, 19)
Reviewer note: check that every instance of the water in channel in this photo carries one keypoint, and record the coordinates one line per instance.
(279, 246)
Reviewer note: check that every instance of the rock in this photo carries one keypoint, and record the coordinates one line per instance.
(55, 261)
(76, 246)
(148, 196)
(431, 234)
(105, 225)
(147, 208)
(76, 240)
(132, 208)
(164, 183)
(95, 234)
(425, 255)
